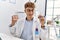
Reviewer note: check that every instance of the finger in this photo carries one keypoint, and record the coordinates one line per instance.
(14, 17)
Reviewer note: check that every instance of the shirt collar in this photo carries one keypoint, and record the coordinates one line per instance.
(31, 19)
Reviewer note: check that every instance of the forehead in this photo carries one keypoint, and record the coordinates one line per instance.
(29, 8)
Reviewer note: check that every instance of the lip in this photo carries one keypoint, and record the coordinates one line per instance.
(30, 14)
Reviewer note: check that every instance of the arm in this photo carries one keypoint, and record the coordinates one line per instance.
(14, 30)
(14, 26)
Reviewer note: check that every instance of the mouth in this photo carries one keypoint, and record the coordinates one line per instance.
(30, 14)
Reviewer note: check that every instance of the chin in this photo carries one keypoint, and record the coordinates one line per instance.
(31, 16)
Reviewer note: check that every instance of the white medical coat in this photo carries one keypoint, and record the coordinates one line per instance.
(17, 29)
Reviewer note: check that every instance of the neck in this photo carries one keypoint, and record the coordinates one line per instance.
(29, 18)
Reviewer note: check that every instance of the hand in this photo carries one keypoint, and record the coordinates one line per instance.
(14, 19)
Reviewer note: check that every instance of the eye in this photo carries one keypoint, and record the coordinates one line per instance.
(29, 10)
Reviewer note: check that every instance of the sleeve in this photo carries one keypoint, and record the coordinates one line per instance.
(14, 30)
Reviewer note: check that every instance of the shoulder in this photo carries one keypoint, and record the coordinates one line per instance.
(36, 20)
(20, 20)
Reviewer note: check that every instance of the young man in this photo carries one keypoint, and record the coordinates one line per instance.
(25, 28)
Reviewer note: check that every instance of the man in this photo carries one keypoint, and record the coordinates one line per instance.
(25, 28)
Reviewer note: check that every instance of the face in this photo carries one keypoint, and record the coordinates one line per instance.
(29, 12)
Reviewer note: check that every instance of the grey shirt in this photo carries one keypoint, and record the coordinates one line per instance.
(27, 32)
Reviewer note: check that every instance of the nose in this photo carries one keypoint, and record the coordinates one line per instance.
(31, 12)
